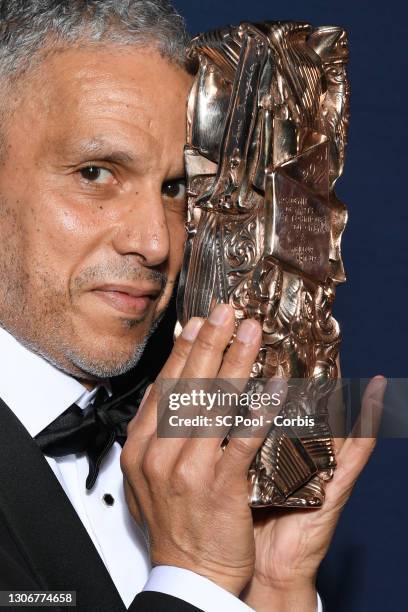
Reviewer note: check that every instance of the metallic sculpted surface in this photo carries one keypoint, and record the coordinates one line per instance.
(267, 125)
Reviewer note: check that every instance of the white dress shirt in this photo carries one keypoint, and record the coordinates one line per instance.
(38, 393)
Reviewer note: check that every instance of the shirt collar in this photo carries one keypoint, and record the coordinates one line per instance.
(36, 391)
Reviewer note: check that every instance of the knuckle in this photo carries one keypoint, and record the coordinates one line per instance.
(181, 479)
(237, 359)
(127, 460)
(130, 427)
(206, 343)
(152, 465)
(181, 349)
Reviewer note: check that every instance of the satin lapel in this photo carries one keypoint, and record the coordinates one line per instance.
(44, 524)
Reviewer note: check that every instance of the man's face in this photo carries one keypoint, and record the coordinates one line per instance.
(92, 205)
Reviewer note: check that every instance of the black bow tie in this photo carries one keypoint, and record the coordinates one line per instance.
(92, 430)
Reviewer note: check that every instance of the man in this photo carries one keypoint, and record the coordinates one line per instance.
(92, 228)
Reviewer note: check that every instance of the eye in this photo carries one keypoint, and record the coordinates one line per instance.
(175, 190)
(95, 174)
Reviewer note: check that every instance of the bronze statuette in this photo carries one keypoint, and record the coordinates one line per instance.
(267, 126)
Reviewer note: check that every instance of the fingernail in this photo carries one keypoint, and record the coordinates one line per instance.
(220, 314)
(380, 384)
(191, 330)
(248, 331)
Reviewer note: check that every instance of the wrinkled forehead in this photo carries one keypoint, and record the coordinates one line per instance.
(86, 91)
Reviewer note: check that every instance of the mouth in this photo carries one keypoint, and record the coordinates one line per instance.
(131, 301)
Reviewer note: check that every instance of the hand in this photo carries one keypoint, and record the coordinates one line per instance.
(189, 494)
(290, 544)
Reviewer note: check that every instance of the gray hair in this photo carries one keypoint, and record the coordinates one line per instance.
(30, 26)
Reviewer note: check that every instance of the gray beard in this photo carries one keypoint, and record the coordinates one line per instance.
(101, 371)
(92, 369)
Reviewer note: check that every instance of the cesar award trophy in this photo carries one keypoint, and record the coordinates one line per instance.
(267, 124)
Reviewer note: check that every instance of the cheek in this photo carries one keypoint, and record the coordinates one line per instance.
(60, 235)
(13, 248)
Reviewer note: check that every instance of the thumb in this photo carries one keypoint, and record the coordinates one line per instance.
(360, 444)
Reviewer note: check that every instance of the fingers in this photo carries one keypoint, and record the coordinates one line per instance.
(144, 425)
(232, 376)
(366, 428)
(207, 353)
(368, 423)
(181, 350)
(199, 353)
(237, 365)
(358, 447)
(204, 361)
(239, 358)
(335, 409)
(337, 417)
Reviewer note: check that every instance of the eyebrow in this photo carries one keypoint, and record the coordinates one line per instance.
(98, 149)
(102, 150)
(175, 177)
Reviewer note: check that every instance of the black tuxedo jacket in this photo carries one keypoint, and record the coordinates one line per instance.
(43, 544)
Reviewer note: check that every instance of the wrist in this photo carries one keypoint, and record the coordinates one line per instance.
(300, 596)
(232, 580)
(228, 582)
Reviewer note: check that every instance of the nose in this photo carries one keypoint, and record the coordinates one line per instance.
(143, 230)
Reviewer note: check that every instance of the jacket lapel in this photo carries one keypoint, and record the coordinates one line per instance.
(44, 524)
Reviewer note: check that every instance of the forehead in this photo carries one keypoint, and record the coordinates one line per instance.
(128, 93)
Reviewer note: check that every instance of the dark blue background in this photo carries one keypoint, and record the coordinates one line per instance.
(366, 568)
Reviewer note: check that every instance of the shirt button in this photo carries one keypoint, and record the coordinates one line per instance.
(108, 499)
